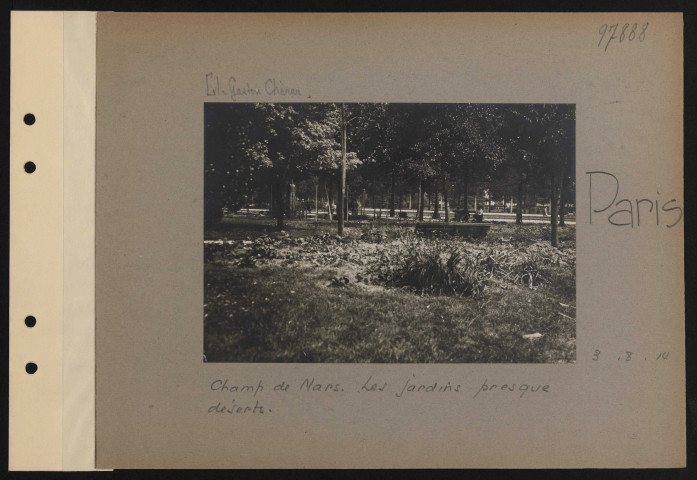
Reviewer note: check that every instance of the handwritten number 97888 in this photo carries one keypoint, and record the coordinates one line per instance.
(628, 32)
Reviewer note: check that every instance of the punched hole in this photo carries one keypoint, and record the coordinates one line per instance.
(31, 368)
(29, 167)
(29, 119)
(30, 321)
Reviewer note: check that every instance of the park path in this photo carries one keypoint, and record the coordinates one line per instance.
(488, 216)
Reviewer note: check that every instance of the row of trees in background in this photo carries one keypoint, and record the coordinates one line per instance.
(516, 151)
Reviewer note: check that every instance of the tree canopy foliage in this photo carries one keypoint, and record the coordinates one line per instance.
(254, 152)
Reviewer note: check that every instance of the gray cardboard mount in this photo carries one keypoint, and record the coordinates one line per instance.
(152, 388)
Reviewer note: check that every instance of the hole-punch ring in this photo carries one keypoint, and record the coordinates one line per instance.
(31, 368)
(30, 167)
(29, 119)
(30, 321)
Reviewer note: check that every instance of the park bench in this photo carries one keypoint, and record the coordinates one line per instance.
(459, 229)
(462, 215)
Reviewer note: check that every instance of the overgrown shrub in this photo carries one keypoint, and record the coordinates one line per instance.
(529, 265)
(429, 268)
(454, 267)
(387, 254)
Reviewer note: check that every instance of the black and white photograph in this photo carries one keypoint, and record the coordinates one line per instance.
(389, 233)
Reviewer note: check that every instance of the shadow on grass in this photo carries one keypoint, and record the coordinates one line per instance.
(276, 314)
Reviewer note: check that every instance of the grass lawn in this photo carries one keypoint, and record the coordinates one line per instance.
(306, 296)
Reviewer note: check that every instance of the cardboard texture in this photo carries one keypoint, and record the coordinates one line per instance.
(153, 391)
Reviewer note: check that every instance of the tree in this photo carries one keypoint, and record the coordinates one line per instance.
(299, 140)
(233, 159)
(457, 143)
(558, 155)
(342, 189)
(510, 150)
(377, 136)
(520, 139)
(542, 138)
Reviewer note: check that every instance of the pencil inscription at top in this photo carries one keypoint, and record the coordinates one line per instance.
(627, 32)
(235, 90)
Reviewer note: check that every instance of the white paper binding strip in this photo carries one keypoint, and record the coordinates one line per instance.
(36, 241)
(79, 50)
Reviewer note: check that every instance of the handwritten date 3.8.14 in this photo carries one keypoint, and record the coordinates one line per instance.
(628, 356)
(628, 32)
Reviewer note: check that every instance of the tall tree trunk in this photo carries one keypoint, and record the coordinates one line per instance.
(340, 203)
(331, 195)
(392, 195)
(445, 202)
(329, 199)
(280, 204)
(436, 206)
(562, 201)
(400, 202)
(421, 200)
(465, 195)
(519, 207)
(287, 206)
(553, 210)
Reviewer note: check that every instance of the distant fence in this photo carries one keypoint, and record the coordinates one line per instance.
(404, 214)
